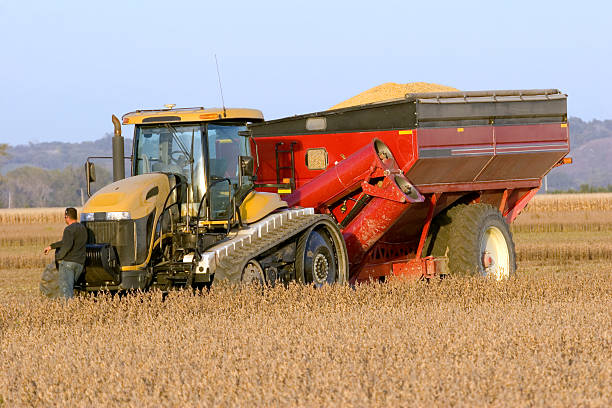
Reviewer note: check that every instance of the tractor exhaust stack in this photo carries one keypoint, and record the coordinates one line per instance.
(118, 152)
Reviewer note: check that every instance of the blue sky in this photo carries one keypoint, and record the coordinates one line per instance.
(68, 65)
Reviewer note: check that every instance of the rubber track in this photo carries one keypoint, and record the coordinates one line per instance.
(231, 267)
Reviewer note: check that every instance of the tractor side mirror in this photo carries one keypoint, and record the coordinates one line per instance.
(90, 171)
(90, 175)
(247, 167)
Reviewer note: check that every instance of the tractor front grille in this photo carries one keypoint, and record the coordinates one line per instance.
(119, 234)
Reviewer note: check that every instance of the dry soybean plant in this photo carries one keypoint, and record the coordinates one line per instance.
(12, 216)
(571, 202)
(561, 253)
(543, 338)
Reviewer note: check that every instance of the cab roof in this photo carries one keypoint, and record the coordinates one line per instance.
(197, 114)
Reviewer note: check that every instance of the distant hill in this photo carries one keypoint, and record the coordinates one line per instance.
(582, 132)
(591, 151)
(35, 187)
(58, 155)
(51, 173)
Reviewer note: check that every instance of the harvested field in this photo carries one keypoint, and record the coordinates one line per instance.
(30, 234)
(13, 216)
(564, 221)
(391, 90)
(543, 338)
(571, 202)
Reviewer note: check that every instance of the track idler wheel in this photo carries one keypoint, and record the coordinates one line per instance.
(253, 273)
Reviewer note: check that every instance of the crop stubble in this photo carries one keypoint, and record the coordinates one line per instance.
(543, 338)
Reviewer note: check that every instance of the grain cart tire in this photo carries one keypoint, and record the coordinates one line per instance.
(320, 257)
(436, 243)
(480, 242)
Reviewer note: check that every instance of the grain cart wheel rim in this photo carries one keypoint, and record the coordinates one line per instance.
(316, 261)
(253, 274)
(495, 254)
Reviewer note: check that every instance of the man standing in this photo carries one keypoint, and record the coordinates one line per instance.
(71, 254)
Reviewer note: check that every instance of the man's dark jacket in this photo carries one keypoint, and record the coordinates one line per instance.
(72, 245)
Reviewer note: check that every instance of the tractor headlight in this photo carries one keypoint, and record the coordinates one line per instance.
(87, 217)
(106, 216)
(117, 215)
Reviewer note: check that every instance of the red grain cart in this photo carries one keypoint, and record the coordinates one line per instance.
(422, 185)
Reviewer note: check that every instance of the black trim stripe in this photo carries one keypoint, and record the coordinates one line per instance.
(155, 119)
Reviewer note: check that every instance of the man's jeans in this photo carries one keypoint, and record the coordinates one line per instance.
(69, 273)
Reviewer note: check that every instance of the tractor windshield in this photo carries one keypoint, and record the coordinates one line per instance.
(165, 148)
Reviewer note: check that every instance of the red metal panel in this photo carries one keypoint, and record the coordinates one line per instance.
(446, 170)
(372, 272)
(339, 146)
(455, 136)
(403, 143)
(451, 155)
(537, 133)
(338, 181)
(519, 166)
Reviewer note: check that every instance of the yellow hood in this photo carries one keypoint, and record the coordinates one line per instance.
(134, 194)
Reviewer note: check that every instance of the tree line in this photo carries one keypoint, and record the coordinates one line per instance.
(35, 187)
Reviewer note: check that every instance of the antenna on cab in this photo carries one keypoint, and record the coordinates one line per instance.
(220, 87)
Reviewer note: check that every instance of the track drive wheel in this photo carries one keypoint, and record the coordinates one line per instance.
(476, 240)
(319, 258)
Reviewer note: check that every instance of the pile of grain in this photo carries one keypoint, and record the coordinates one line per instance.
(391, 90)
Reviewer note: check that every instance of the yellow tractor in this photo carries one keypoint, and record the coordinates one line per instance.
(189, 215)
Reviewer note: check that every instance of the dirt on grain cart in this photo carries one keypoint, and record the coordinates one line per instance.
(391, 90)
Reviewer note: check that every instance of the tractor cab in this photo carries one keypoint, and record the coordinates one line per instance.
(203, 148)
